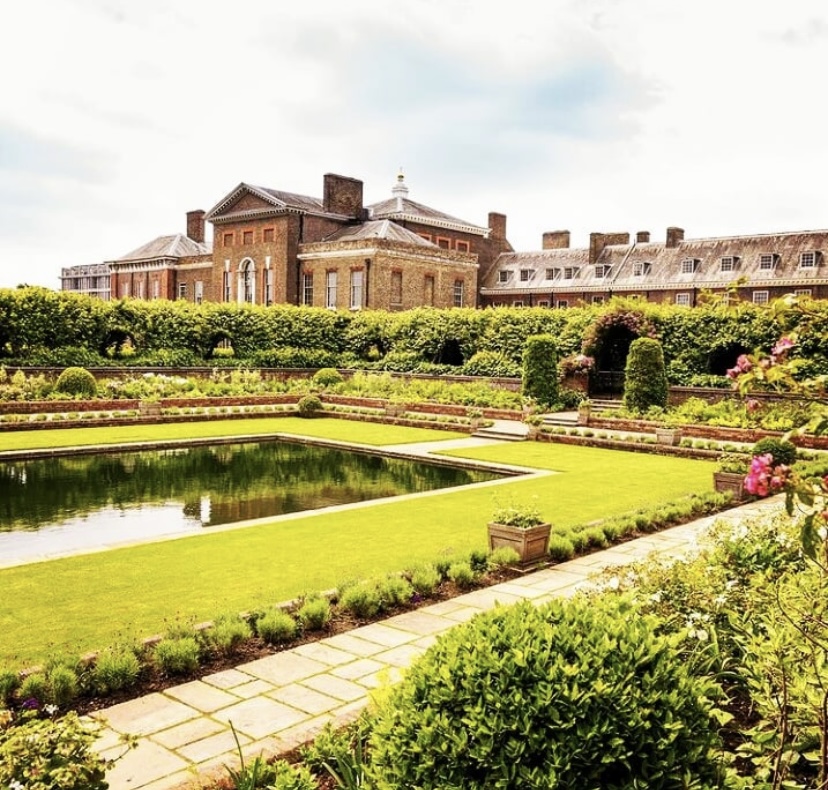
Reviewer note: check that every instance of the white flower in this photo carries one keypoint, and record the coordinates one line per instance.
(15, 785)
(656, 597)
(823, 533)
(701, 634)
(720, 600)
(50, 709)
(613, 583)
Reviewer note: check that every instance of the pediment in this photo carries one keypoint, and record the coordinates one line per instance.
(244, 200)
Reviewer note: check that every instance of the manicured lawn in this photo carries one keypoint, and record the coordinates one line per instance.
(87, 602)
(339, 430)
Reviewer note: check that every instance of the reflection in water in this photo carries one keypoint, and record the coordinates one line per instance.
(65, 504)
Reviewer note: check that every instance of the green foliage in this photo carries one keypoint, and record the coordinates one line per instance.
(9, 683)
(462, 574)
(292, 357)
(177, 656)
(574, 694)
(645, 382)
(309, 406)
(560, 548)
(502, 557)
(314, 614)
(394, 591)
(34, 687)
(292, 777)
(540, 370)
(227, 634)
(62, 685)
(424, 579)
(276, 627)
(363, 599)
(491, 363)
(783, 451)
(77, 382)
(115, 669)
(249, 776)
(41, 754)
(327, 377)
(518, 515)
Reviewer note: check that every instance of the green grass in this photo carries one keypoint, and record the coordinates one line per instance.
(341, 430)
(88, 602)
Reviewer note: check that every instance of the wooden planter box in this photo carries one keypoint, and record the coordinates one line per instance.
(669, 436)
(531, 544)
(149, 408)
(730, 481)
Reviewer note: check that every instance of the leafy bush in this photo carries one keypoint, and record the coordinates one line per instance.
(394, 591)
(34, 687)
(45, 753)
(9, 683)
(77, 382)
(315, 613)
(645, 382)
(327, 377)
(490, 363)
(362, 599)
(574, 694)
(560, 548)
(503, 556)
(291, 357)
(276, 627)
(783, 452)
(177, 656)
(424, 579)
(540, 369)
(462, 574)
(227, 634)
(309, 406)
(115, 669)
(62, 685)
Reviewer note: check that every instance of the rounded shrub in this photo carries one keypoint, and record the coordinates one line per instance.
(9, 683)
(77, 382)
(115, 669)
(227, 634)
(362, 599)
(561, 548)
(177, 656)
(645, 378)
(783, 452)
(315, 613)
(327, 377)
(462, 574)
(575, 694)
(309, 405)
(276, 627)
(424, 578)
(540, 369)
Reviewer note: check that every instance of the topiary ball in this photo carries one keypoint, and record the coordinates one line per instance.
(327, 377)
(575, 694)
(783, 451)
(77, 382)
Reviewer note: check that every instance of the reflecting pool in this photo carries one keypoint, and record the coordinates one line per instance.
(73, 503)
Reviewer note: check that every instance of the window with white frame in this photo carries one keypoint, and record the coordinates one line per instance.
(518, 303)
(396, 288)
(458, 293)
(226, 286)
(268, 286)
(602, 270)
(727, 263)
(125, 290)
(199, 291)
(570, 272)
(247, 282)
(543, 303)
(767, 261)
(356, 288)
(139, 289)
(503, 276)
(156, 289)
(553, 274)
(807, 260)
(688, 265)
(760, 297)
(597, 300)
(307, 288)
(562, 304)
(683, 299)
(330, 290)
(182, 290)
(802, 292)
(640, 268)
(525, 275)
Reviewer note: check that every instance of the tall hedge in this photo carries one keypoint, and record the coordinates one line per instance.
(580, 693)
(645, 378)
(540, 369)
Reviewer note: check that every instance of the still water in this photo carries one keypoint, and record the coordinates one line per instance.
(68, 504)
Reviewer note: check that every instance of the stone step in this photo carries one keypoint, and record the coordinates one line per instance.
(568, 419)
(502, 435)
(605, 404)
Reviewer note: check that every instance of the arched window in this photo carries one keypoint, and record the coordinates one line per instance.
(247, 281)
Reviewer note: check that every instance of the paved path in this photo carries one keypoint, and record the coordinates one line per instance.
(283, 700)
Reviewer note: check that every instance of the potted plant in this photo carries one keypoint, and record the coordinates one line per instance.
(584, 411)
(669, 435)
(534, 422)
(475, 416)
(730, 475)
(522, 528)
(149, 406)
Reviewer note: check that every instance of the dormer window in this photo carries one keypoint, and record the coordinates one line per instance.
(807, 260)
(728, 263)
(503, 276)
(601, 270)
(641, 268)
(570, 272)
(767, 261)
(525, 275)
(553, 274)
(688, 265)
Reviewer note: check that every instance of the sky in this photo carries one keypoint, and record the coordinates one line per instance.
(119, 116)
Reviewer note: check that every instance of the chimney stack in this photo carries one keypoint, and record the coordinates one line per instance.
(556, 240)
(195, 225)
(642, 237)
(674, 236)
(597, 242)
(497, 226)
(342, 195)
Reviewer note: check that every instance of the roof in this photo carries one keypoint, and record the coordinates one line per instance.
(379, 229)
(654, 266)
(177, 246)
(274, 199)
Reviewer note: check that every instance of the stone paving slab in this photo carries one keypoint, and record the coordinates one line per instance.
(281, 701)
